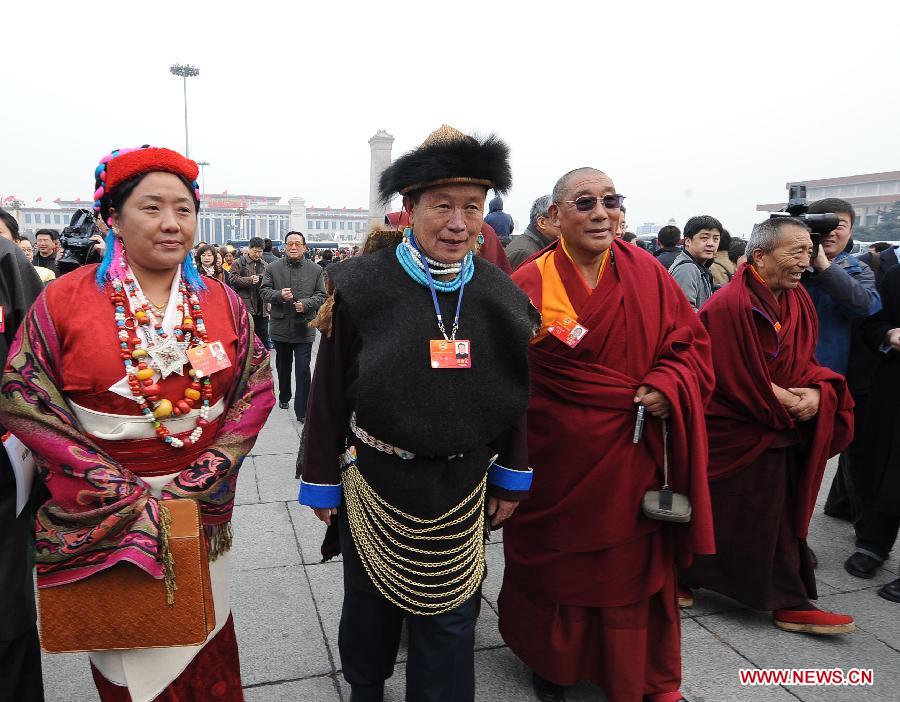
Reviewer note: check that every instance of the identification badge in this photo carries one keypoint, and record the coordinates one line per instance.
(2, 320)
(451, 354)
(568, 331)
(209, 358)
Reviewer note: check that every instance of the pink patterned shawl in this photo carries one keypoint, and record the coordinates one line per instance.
(101, 513)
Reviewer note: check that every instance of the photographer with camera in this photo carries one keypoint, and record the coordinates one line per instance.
(82, 242)
(842, 287)
(843, 291)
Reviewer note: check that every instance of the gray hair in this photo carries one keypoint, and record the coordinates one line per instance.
(539, 209)
(764, 236)
(562, 185)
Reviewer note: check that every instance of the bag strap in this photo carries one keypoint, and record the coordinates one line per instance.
(665, 438)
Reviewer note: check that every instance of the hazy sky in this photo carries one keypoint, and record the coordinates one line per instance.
(692, 108)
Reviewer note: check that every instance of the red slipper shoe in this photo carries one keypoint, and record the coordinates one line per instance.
(665, 697)
(813, 621)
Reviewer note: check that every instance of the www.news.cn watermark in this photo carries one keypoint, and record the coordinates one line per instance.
(833, 677)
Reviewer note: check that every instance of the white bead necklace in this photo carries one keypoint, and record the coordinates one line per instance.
(436, 267)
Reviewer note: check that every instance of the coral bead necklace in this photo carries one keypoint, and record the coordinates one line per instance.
(146, 348)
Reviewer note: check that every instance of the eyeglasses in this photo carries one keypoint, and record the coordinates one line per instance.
(586, 203)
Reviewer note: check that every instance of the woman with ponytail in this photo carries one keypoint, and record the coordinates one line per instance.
(102, 385)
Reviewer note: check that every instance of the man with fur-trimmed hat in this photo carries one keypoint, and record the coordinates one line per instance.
(420, 393)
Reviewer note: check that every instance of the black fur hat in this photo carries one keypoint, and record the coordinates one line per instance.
(449, 156)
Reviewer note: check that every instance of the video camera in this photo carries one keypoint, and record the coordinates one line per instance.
(819, 224)
(76, 242)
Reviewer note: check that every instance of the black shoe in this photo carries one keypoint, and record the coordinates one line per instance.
(891, 591)
(301, 419)
(547, 691)
(283, 405)
(861, 565)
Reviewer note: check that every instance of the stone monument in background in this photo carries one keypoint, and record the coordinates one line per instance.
(380, 146)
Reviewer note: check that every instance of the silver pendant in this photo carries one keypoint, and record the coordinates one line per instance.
(169, 356)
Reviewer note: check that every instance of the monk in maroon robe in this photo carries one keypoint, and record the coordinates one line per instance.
(775, 419)
(589, 591)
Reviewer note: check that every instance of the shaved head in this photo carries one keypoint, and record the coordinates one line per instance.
(562, 185)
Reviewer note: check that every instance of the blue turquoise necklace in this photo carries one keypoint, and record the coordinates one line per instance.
(416, 265)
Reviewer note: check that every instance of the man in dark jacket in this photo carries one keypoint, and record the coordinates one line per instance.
(20, 656)
(246, 277)
(539, 234)
(268, 256)
(878, 485)
(45, 240)
(295, 288)
(668, 238)
(501, 222)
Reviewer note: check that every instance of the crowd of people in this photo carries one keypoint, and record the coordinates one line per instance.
(642, 423)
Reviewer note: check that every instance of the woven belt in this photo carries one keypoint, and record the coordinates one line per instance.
(383, 446)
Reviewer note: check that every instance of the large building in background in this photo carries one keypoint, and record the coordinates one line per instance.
(54, 215)
(868, 193)
(227, 217)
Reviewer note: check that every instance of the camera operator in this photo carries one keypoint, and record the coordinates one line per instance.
(82, 242)
(99, 239)
(46, 250)
(844, 293)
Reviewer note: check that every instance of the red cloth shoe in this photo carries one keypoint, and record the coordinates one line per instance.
(665, 697)
(685, 597)
(813, 621)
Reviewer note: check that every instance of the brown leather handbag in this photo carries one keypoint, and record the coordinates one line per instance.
(123, 607)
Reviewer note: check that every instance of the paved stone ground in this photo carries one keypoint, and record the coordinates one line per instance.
(287, 605)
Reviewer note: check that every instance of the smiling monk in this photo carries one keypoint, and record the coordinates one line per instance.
(775, 419)
(589, 591)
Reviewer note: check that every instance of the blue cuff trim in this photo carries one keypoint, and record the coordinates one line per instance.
(509, 479)
(319, 496)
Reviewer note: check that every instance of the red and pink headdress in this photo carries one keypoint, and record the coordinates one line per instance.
(120, 165)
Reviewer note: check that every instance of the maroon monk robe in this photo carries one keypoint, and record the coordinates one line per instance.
(589, 589)
(766, 469)
(744, 416)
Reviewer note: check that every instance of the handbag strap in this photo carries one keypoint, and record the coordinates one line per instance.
(665, 438)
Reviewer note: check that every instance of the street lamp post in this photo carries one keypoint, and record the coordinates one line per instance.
(202, 165)
(185, 71)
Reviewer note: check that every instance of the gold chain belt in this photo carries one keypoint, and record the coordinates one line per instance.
(391, 542)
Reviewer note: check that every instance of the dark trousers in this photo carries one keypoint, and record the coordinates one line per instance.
(441, 662)
(261, 326)
(876, 532)
(20, 669)
(844, 500)
(286, 356)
